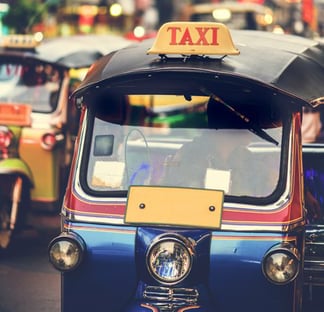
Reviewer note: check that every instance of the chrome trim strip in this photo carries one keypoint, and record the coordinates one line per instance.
(314, 265)
(228, 227)
(315, 148)
(99, 220)
(174, 295)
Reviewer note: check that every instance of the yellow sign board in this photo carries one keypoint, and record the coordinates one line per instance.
(183, 207)
(21, 41)
(193, 38)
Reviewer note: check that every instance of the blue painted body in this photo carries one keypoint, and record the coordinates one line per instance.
(113, 273)
(107, 276)
(236, 279)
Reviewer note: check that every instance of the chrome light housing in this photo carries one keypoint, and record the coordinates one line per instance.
(281, 264)
(50, 140)
(169, 259)
(66, 252)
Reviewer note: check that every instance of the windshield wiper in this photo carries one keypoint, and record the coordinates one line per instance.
(251, 125)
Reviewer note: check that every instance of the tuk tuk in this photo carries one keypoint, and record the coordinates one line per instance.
(37, 126)
(186, 190)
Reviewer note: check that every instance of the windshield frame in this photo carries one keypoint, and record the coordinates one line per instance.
(283, 169)
(52, 103)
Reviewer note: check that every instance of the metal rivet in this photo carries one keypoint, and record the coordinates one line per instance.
(212, 208)
(142, 205)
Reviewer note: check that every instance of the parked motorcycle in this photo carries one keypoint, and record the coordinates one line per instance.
(15, 182)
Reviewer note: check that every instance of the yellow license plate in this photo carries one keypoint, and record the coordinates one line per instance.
(174, 206)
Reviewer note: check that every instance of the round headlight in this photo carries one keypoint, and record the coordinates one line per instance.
(65, 252)
(169, 260)
(281, 264)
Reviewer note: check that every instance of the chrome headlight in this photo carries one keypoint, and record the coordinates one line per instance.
(170, 260)
(281, 264)
(66, 252)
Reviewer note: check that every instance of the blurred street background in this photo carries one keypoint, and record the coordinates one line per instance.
(138, 19)
(27, 280)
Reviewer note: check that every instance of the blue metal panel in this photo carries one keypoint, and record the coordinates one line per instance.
(106, 279)
(227, 270)
(236, 279)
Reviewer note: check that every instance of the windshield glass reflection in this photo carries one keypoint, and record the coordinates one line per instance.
(36, 84)
(236, 161)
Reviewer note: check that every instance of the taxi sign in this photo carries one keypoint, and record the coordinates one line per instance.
(193, 38)
(21, 41)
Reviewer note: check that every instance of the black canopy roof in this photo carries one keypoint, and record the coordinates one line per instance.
(76, 51)
(290, 64)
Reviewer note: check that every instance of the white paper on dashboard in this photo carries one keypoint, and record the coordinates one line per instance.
(218, 179)
(108, 174)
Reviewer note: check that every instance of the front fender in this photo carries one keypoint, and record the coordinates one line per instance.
(16, 166)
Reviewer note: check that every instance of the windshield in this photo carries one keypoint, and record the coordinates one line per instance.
(179, 145)
(36, 84)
